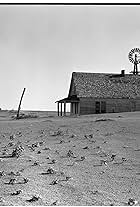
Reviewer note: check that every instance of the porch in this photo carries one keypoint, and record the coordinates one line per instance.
(74, 106)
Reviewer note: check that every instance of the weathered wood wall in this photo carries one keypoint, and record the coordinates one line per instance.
(87, 105)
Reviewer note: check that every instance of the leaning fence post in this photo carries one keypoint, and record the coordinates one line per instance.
(20, 103)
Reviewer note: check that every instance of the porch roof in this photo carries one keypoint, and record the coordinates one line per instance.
(69, 100)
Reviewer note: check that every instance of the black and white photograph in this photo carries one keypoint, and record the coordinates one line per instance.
(70, 104)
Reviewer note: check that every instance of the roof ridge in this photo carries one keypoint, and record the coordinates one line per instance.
(100, 73)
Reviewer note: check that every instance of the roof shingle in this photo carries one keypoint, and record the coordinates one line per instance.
(101, 85)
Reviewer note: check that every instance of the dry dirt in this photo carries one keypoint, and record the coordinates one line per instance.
(86, 160)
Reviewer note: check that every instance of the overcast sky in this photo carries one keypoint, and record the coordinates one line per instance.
(40, 47)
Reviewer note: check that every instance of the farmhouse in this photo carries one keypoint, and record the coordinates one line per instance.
(91, 93)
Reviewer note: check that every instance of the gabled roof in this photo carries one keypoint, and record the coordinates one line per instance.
(102, 85)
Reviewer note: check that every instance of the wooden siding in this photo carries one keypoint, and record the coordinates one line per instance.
(87, 105)
(137, 104)
(119, 105)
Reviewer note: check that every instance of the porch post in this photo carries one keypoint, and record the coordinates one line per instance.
(64, 108)
(58, 108)
(73, 108)
(61, 110)
(70, 108)
(76, 108)
(79, 108)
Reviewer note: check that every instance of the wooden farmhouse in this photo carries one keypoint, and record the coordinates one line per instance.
(91, 93)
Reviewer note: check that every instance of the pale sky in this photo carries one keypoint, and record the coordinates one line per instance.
(40, 47)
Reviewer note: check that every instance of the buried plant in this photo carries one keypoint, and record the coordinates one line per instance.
(52, 161)
(14, 174)
(39, 152)
(35, 163)
(71, 154)
(2, 173)
(17, 151)
(11, 181)
(113, 157)
(50, 171)
(16, 193)
(25, 116)
(54, 203)
(132, 202)
(12, 137)
(103, 119)
(10, 144)
(66, 179)
(57, 133)
(46, 148)
(81, 159)
(54, 182)
(33, 199)
(25, 180)
(86, 147)
(37, 144)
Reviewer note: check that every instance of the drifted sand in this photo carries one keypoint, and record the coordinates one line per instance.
(95, 159)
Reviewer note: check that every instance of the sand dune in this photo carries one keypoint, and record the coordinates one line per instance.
(86, 160)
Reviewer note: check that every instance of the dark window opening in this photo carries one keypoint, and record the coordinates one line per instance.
(97, 107)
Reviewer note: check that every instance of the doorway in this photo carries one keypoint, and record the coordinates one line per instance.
(100, 107)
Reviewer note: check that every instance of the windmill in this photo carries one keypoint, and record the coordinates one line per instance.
(134, 57)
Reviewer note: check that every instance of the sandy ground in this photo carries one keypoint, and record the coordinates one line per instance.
(86, 160)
